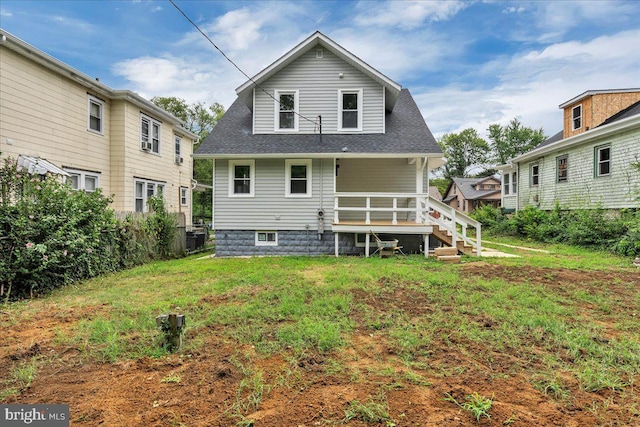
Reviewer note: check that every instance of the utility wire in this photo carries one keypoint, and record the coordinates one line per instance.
(234, 64)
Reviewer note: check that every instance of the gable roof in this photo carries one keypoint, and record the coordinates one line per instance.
(406, 135)
(626, 119)
(392, 89)
(588, 93)
(466, 187)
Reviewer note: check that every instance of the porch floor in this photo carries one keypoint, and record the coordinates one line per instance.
(401, 227)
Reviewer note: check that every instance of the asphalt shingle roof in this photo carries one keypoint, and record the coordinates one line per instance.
(465, 185)
(406, 132)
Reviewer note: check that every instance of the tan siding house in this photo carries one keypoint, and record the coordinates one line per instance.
(98, 136)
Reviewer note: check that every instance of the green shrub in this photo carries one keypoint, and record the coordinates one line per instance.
(51, 235)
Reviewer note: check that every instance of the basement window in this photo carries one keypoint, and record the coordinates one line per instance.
(266, 238)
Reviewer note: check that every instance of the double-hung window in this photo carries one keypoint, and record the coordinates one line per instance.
(298, 178)
(149, 134)
(603, 160)
(535, 174)
(505, 182)
(95, 118)
(562, 170)
(144, 189)
(83, 180)
(514, 183)
(350, 110)
(178, 150)
(576, 117)
(184, 196)
(286, 109)
(241, 178)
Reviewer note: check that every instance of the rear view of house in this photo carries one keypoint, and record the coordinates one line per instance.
(53, 118)
(318, 151)
(593, 162)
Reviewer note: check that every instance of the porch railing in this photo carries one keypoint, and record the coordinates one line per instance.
(417, 207)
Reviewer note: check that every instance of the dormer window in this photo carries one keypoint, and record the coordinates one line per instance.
(350, 110)
(286, 107)
(576, 117)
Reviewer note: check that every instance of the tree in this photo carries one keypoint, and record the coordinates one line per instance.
(509, 141)
(199, 119)
(463, 151)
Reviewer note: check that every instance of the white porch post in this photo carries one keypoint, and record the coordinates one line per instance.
(419, 189)
(367, 239)
(425, 238)
(335, 236)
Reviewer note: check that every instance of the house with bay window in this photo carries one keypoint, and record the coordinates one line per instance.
(594, 162)
(55, 119)
(320, 153)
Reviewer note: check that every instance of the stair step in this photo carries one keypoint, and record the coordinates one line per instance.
(454, 259)
(444, 251)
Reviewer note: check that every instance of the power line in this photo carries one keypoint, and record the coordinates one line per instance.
(234, 64)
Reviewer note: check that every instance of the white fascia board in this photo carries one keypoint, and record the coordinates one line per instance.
(139, 101)
(325, 42)
(339, 155)
(184, 132)
(17, 45)
(595, 92)
(582, 138)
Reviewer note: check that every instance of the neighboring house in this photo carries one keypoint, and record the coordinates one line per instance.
(589, 164)
(56, 119)
(467, 194)
(318, 151)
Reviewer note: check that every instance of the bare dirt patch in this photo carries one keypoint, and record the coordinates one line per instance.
(213, 386)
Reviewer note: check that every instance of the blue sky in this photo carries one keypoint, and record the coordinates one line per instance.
(467, 63)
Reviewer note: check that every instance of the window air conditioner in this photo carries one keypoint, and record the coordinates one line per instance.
(146, 145)
(179, 160)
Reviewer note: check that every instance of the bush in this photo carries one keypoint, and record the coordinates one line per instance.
(51, 235)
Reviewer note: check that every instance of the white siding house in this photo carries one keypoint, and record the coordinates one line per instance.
(318, 149)
(594, 168)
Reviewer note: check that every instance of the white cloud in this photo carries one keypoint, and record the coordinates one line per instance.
(533, 84)
(5, 13)
(407, 14)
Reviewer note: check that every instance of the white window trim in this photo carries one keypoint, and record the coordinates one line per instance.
(177, 148)
(265, 242)
(94, 100)
(514, 183)
(360, 111)
(82, 175)
(531, 175)
(276, 108)
(566, 178)
(152, 122)
(506, 184)
(156, 184)
(573, 126)
(252, 176)
(287, 186)
(598, 162)
(184, 198)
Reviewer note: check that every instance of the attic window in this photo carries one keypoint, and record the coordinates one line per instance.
(286, 108)
(576, 116)
(319, 53)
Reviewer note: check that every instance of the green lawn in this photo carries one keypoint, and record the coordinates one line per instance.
(566, 321)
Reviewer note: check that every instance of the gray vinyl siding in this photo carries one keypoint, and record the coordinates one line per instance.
(355, 175)
(269, 209)
(318, 83)
(583, 189)
(376, 176)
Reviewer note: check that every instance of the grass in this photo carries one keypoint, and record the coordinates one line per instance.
(299, 307)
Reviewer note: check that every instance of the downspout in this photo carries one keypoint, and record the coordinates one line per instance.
(517, 188)
(320, 213)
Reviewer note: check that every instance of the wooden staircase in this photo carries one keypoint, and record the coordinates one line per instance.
(444, 236)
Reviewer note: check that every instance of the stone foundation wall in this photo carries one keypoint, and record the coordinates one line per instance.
(242, 243)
